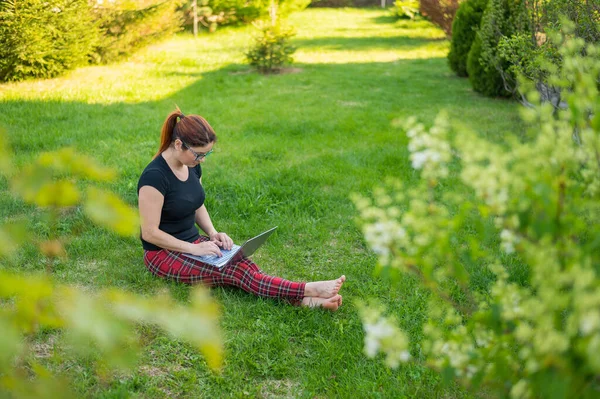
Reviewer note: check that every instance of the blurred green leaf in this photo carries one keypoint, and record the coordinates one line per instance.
(100, 324)
(108, 210)
(12, 235)
(68, 161)
(32, 301)
(196, 324)
(89, 319)
(10, 344)
(100, 321)
(62, 193)
(30, 182)
(42, 385)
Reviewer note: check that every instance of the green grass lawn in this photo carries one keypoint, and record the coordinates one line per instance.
(292, 148)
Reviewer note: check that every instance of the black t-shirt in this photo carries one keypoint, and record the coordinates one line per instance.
(182, 199)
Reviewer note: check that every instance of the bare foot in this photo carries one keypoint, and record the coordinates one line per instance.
(324, 289)
(332, 303)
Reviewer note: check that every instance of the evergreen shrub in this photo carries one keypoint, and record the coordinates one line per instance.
(239, 11)
(127, 25)
(465, 25)
(271, 49)
(527, 53)
(501, 19)
(486, 81)
(44, 38)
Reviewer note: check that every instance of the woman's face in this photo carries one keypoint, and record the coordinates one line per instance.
(193, 155)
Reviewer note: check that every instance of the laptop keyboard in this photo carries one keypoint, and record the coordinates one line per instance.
(227, 255)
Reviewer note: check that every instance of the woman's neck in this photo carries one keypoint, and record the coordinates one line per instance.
(171, 159)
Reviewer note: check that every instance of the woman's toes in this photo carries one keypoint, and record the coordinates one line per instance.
(332, 303)
(338, 284)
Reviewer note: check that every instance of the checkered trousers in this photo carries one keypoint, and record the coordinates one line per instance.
(244, 274)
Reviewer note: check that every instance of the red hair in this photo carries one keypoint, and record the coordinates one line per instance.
(193, 130)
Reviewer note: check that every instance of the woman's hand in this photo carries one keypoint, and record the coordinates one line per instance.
(222, 240)
(205, 248)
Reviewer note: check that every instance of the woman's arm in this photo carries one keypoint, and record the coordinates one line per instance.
(203, 220)
(150, 205)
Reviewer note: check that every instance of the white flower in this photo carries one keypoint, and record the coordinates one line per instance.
(381, 335)
(589, 323)
(404, 356)
(509, 239)
(430, 150)
(371, 345)
(382, 235)
(471, 370)
(418, 159)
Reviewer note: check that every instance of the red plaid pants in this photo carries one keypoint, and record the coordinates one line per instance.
(244, 274)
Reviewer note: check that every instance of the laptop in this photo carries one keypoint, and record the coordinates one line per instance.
(236, 253)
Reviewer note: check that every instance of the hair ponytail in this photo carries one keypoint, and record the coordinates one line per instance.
(193, 130)
(166, 135)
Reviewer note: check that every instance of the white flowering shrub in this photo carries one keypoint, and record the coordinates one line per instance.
(506, 240)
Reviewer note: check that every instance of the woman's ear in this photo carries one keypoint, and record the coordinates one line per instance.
(177, 144)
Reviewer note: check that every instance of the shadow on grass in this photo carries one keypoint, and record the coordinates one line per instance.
(385, 19)
(400, 42)
(403, 23)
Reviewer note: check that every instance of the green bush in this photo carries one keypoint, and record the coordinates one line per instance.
(527, 59)
(527, 53)
(585, 13)
(238, 11)
(209, 17)
(501, 19)
(407, 9)
(464, 27)
(213, 13)
(336, 3)
(44, 38)
(271, 49)
(127, 25)
(486, 81)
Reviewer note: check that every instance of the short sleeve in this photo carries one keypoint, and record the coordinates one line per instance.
(198, 170)
(154, 178)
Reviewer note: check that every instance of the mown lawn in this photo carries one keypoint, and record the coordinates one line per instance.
(292, 149)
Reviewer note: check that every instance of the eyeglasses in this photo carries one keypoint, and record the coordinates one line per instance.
(198, 156)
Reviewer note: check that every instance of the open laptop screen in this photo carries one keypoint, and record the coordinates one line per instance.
(237, 252)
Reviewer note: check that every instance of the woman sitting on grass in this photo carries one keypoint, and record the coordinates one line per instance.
(171, 202)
